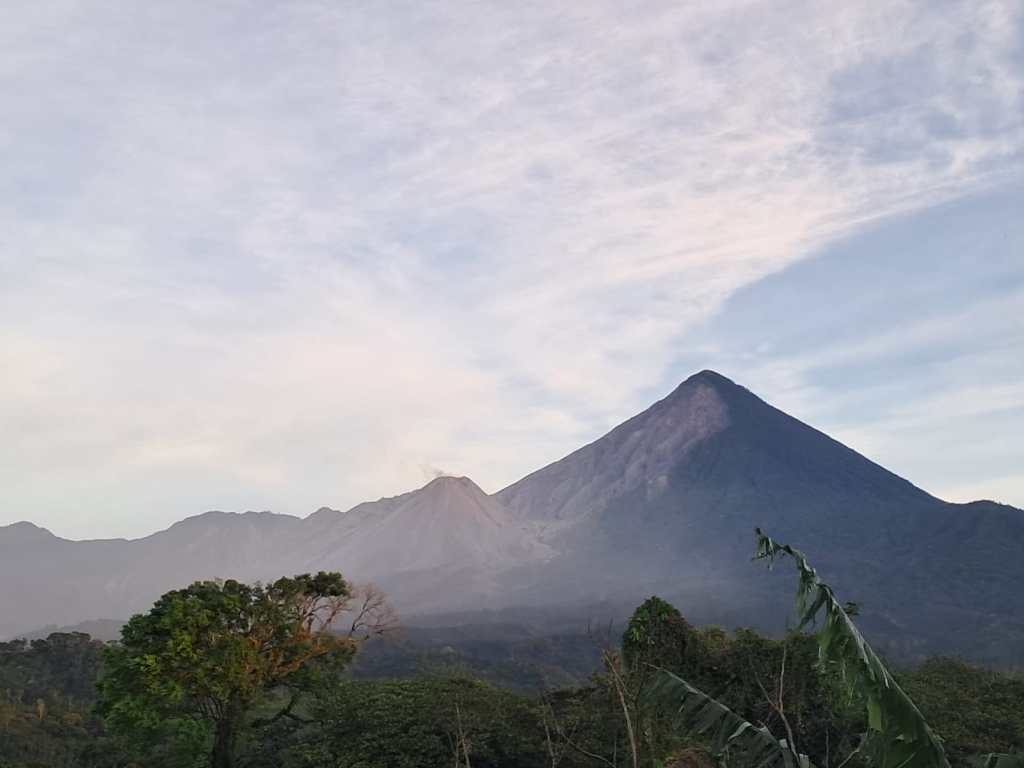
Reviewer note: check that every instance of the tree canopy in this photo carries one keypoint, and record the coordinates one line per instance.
(185, 674)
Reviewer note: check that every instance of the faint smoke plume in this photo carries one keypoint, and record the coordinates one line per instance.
(430, 472)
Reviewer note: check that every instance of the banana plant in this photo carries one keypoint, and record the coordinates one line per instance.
(898, 735)
(735, 742)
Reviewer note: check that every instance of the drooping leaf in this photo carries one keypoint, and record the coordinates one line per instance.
(898, 735)
(734, 741)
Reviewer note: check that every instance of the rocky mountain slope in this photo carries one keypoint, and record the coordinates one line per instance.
(671, 497)
(666, 502)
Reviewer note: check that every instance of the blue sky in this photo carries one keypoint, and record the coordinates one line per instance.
(277, 256)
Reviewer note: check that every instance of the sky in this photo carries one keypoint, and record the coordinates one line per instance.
(286, 255)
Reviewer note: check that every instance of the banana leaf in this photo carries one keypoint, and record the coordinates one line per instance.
(734, 741)
(897, 735)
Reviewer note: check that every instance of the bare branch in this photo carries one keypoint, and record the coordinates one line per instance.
(612, 664)
(372, 615)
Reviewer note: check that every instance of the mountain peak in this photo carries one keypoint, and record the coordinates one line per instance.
(453, 493)
(451, 481)
(709, 376)
(639, 454)
(25, 531)
(724, 389)
(447, 525)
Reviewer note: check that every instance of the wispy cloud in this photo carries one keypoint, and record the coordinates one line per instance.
(287, 254)
(903, 342)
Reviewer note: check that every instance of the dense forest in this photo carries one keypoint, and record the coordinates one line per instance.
(227, 674)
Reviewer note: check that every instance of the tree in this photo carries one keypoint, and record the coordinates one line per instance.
(657, 634)
(185, 674)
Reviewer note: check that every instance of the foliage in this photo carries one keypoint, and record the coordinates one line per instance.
(714, 682)
(583, 725)
(421, 722)
(976, 711)
(47, 687)
(516, 657)
(63, 666)
(997, 760)
(733, 740)
(898, 735)
(709, 683)
(656, 630)
(774, 683)
(185, 674)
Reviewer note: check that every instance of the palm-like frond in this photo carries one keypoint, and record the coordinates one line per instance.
(897, 736)
(736, 742)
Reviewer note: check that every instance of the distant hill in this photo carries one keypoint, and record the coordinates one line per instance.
(665, 503)
(98, 629)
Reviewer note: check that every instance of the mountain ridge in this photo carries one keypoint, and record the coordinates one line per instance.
(705, 376)
(665, 502)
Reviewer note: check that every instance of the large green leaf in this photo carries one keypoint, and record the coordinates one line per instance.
(736, 742)
(897, 736)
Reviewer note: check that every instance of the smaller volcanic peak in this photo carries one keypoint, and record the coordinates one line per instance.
(451, 484)
(451, 481)
(448, 525)
(453, 504)
(456, 496)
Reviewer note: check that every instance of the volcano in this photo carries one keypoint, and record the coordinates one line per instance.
(665, 503)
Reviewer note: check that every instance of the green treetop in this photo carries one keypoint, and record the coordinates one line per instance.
(203, 656)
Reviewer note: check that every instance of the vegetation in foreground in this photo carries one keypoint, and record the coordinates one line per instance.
(226, 674)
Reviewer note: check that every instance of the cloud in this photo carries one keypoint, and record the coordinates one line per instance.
(283, 255)
(902, 342)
